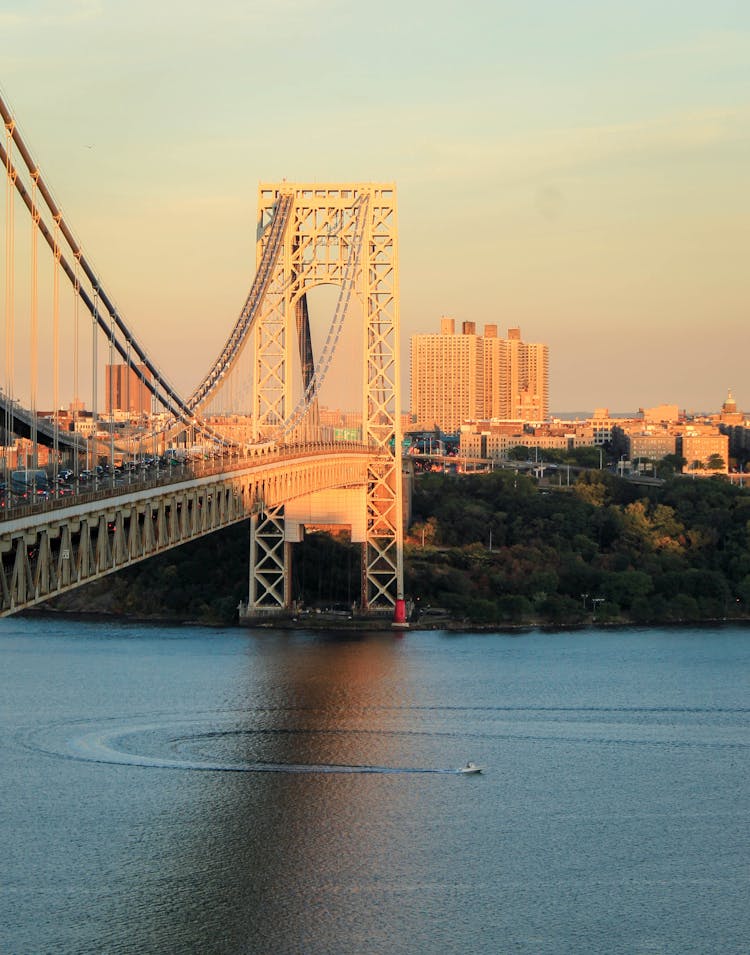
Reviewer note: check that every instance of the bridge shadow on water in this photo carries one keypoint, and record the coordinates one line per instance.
(270, 860)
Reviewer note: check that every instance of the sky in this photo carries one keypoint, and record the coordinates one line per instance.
(578, 168)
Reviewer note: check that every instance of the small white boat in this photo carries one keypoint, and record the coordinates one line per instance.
(469, 769)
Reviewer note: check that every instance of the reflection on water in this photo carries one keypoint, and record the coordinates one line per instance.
(170, 791)
(272, 838)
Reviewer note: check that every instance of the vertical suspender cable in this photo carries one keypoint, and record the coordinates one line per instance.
(112, 400)
(9, 278)
(56, 352)
(131, 400)
(76, 290)
(232, 393)
(94, 361)
(134, 406)
(34, 304)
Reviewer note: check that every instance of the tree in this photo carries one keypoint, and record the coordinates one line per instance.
(514, 607)
(519, 453)
(592, 491)
(715, 463)
(670, 464)
(625, 587)
(423, 532)
(619, 444)
(586, 457)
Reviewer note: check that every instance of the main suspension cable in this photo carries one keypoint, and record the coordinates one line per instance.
(157, 383)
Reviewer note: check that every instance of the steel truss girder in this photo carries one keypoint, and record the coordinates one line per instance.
(326, 226)
(46, 553)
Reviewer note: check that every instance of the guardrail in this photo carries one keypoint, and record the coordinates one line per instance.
(106, 486)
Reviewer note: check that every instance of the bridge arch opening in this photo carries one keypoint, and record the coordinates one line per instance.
(341, 389)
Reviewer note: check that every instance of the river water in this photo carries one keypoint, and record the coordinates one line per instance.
(178, 790)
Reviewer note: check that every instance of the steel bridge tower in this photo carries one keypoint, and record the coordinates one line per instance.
(343, 235)
(267, 372)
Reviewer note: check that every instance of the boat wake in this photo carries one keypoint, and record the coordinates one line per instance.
(118, 746)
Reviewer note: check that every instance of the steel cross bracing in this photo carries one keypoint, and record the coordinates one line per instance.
(383, 566)
(269, 560)
(345, 235)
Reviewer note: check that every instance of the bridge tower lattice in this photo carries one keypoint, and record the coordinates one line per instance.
(343, 235)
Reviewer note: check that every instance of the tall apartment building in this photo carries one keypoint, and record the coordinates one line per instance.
(458, 377)
(124, 390)
(533, 404)
(447, 376)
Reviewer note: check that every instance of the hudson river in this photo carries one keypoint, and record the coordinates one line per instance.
(189, 790)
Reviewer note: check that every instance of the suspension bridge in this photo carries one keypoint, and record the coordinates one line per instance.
(121, 466)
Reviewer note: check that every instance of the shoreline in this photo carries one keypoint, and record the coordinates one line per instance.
(377, 624)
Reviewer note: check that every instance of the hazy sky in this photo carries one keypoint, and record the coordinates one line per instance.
(580, 168)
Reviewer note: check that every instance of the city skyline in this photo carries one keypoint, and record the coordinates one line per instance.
(579, 172)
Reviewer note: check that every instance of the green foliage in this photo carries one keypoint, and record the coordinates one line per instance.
(519, 453)
(670, 464)
(585, 457)
(604, 548)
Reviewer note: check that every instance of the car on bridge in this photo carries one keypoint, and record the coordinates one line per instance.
(30, 482)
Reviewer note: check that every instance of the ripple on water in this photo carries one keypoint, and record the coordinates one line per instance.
(209, 743)
(148, 744)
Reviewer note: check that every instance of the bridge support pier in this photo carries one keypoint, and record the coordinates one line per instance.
(270, 563)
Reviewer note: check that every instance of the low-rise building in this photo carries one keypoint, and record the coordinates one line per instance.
(660, 415)
(702, 443)
(494, 439)
(654, 445)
